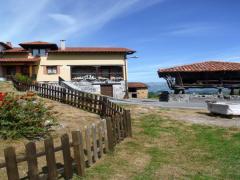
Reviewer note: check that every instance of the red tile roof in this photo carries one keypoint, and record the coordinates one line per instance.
(94, 50)
(137, 85)
(5, 45)
(16, 50)
(209, 66)
(79, 50)
(36, 43)
(19, 59)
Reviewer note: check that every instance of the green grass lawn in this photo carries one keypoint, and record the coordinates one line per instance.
(162, 148)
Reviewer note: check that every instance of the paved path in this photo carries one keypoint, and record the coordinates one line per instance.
(156, 103)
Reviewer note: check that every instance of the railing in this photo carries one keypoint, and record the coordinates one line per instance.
(98, 76)
(116, 127)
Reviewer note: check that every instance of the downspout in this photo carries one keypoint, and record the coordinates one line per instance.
(126, 79)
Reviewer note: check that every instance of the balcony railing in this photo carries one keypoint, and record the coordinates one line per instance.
(115, 76)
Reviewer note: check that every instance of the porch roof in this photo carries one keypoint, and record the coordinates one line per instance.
(19, 59)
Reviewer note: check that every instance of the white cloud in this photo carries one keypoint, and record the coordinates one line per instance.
(54, 19)
(21, 17)
(63, 18)
(191, 29)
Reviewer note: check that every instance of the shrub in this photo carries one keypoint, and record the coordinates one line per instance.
(22, 78)
(24, 117)
(153, 95)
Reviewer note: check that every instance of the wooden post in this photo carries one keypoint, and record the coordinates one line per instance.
(129, 123)
(94, 137)
(88, 145)
(68, 170)
(78, 152)
(30, 71)
(104, 107)
(63, 95)
(11, 163)
(110, 134)
(50, 157)
(100, 138)
(104, 126)
(31, 155)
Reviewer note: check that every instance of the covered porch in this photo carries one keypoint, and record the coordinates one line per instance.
(114, 73)
(10, 67)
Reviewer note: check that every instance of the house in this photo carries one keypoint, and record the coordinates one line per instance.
(137, 90)
(95, 69)
(210, 74)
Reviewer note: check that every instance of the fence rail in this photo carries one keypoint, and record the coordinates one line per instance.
(78, 154)
(99, 139)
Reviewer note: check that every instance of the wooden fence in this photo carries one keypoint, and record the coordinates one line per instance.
(117, 126)
(118, 117)
(77, 155)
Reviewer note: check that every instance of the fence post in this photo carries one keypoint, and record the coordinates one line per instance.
(51, 160)
(78, 152)
(68, 170)
(63, 98)
(104, 107)
(88, 145)
(32, 160)
(110, 134)
(11, 163)
(129, 123)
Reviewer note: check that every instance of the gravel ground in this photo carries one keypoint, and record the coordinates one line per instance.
(156, 103)
(196, 116)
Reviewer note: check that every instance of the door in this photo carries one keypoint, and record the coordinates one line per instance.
(107, 90)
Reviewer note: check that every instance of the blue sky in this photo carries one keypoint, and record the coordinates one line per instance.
(164, 32)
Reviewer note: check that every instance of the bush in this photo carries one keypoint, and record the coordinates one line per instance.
(24, 117)
(153, 95)
(23, 79)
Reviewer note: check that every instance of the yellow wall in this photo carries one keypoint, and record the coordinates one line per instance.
(64, 61)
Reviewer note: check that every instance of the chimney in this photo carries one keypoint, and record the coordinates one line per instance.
(9, 44)
(62, 44)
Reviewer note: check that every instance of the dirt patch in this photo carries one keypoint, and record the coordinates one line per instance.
(70, 118)
(7, 86)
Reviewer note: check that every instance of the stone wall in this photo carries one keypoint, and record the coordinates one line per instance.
(95, 87)
(142, 93)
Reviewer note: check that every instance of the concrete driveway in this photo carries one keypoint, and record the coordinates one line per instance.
(156, 103)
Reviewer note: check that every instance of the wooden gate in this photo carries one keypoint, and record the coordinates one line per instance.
(107, 90)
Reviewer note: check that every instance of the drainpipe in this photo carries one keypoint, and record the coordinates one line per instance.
(126, 79)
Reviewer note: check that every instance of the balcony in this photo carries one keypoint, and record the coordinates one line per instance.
(115, 76)
(97, 73)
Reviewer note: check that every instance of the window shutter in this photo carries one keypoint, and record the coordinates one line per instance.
(44, 69)
(58, 69)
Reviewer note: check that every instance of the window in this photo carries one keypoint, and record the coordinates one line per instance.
(39, 52)
(35, 52)
(52, 70)
(42, 52)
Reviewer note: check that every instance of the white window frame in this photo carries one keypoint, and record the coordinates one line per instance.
(52, 70)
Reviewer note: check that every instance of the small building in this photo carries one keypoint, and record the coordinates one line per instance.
(210, 74)
(137, 90)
